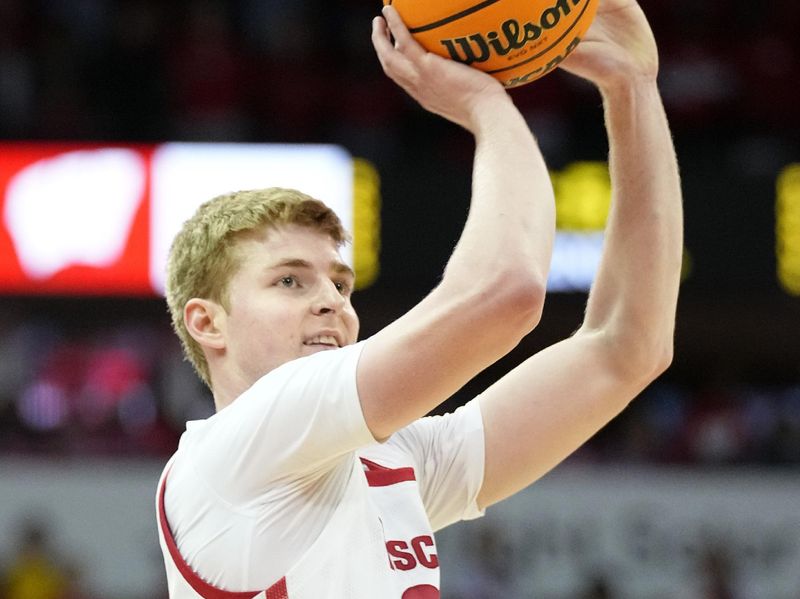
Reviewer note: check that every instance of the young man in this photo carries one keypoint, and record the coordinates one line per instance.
(318, 476)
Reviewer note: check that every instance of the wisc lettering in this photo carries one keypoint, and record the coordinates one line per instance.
(407, 556)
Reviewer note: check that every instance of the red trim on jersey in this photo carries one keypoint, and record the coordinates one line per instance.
(381, 476)
(201, 587)
(278, 590)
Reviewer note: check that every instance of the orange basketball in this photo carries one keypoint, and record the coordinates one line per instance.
(516, 41)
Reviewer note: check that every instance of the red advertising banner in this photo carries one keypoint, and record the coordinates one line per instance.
(74, 219)
(89, 219)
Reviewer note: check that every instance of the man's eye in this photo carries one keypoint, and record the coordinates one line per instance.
(288, 281)
(342, 287)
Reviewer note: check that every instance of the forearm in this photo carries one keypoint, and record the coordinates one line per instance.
(511, 220)
(635, 293)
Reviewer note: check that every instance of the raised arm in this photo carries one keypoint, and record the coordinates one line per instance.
(493, 287)
(552, 403)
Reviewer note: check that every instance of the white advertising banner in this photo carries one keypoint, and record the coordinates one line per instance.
(187, 174)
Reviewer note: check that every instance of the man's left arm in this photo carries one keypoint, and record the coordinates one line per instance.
(548, 406)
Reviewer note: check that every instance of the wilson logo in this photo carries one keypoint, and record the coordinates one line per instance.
(513, 35)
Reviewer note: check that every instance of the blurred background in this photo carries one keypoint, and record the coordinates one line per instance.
(693, 492)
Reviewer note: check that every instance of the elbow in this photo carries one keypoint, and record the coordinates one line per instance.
(663, 359)
(521, 304)
(639, 361)
(650, 361)
(531, 304)
(503, 306)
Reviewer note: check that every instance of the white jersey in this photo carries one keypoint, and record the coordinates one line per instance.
(285, 494)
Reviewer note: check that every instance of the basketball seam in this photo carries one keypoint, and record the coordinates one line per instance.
(546, 50)
(454, 17)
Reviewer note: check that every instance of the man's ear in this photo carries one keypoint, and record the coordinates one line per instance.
(203, 319)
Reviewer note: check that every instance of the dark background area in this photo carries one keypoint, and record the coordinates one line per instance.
(304, 71)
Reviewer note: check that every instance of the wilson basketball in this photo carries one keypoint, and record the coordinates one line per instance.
(516, 41)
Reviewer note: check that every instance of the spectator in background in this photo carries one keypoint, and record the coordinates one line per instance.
(598, 588)
(717, 572)
(35, 572)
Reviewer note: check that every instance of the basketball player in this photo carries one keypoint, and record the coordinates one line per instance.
(319, 476)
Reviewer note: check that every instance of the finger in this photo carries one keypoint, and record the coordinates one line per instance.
(394, 64)
(404, 42)
(380, 40)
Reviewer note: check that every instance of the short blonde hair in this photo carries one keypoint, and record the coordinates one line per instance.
(203, 259)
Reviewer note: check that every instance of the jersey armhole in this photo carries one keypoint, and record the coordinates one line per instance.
(200, 586)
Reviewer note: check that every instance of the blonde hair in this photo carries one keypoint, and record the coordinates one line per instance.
(202, 258)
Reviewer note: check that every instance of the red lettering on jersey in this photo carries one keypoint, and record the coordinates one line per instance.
(423, 591)
(401, 558)
(428, 559)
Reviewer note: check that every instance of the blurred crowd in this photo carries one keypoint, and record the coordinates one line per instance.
(292, 70)
(125, 390)
(721, 421)
(122, 390)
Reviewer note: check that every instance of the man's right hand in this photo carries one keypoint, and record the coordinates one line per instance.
(442, 86)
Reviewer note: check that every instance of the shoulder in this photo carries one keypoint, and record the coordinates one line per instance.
(339, 363)
(320, 376)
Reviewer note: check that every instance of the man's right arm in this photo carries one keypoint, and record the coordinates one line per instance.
(493, 287)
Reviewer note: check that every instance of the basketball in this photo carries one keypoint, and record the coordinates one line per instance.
(515, 41)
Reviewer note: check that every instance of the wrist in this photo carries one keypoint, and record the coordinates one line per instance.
(489, 110)
(622, 88)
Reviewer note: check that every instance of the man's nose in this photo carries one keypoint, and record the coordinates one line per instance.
(328, 298)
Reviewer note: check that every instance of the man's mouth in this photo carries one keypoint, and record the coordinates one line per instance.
(323, 341)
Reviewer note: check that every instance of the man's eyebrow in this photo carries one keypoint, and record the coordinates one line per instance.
(294, 262)
(342, 269)
(337, 267)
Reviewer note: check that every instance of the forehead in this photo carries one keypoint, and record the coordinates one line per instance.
(270, 245)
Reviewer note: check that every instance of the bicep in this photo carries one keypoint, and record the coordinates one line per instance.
(424, 357)
(547, 407)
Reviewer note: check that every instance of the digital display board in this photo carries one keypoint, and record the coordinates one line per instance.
(99, 220)
(787, 229)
